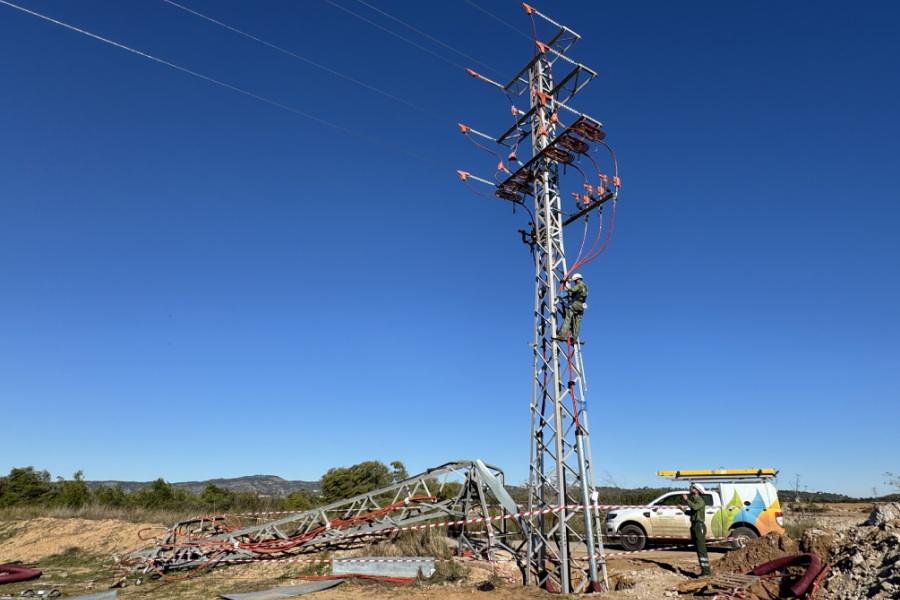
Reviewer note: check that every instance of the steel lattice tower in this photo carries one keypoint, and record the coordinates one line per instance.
(564, 547)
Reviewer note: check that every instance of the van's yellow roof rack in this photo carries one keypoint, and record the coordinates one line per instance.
(720, 474)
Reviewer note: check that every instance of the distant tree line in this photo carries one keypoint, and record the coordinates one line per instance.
(30, 487)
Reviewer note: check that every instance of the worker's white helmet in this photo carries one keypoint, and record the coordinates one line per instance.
(576, 277)
(699, 487)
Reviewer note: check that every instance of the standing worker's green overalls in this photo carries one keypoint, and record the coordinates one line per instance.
(574, 311)
(696, 510)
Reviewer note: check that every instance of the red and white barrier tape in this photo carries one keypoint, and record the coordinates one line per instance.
(608, 554)
(554, 509)
(668, 537)
(533, 513)
(393, 560)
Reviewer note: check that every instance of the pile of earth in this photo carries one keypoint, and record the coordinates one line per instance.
(755, 553)
(866, 559)
(758, 552)
(39, 538)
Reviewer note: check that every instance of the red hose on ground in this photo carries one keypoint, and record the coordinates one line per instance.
(814, 569)
(12, 573)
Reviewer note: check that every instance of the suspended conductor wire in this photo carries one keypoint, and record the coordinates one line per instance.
(443, 58)
(431, 38)
(519, 31)
(306, 60)
(230, 87)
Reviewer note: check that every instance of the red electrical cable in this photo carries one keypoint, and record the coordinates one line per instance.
(576, 167)
(477, 192)
(612, 220)
(278, 546)
(572, 386)
(501, 167)
(584, 237)
(515, 113)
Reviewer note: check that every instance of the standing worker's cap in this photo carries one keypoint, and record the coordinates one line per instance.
(576, 277)
(699, 487)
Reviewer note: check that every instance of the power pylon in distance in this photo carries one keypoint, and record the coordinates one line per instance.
(564, 548)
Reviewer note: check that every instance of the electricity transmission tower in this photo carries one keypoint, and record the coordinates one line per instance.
(564, 548)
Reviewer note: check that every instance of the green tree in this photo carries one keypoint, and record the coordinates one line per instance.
(251, 501)
(219, 498)
(110, 496)
(73, 493)
(27, 486)
(161, 494)
(345, 482)
(302, 500)
(400, 472)
(450, 489)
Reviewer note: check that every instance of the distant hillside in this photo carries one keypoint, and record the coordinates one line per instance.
(791, 496)
(272, 485)
(268, 485)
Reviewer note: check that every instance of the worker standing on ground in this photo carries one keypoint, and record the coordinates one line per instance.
(697, 511)
(575, 306)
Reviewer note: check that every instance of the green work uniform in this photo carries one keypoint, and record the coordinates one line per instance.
(696, 510)
(574, 311)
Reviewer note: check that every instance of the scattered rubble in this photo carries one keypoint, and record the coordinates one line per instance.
(866, 559)
(883, 514)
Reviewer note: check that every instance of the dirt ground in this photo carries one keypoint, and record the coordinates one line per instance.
(35, 539)
(75, 556)
(837, 516)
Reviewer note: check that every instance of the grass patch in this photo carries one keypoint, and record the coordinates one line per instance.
(8, 531)
(311, 569)
(428, 542)
(96, 512)
(795, 529)
(74, 557)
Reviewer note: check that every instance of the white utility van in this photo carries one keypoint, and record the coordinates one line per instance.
(739, 503)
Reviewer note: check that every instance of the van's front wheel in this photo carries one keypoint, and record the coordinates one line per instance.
(632, 538)
(744, 535)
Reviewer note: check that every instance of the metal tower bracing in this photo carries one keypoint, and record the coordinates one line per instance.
(564, 551)
(451, 492)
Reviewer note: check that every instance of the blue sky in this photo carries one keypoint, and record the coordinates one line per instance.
(198, 284)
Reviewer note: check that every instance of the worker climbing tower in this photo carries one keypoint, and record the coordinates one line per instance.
(564, 548)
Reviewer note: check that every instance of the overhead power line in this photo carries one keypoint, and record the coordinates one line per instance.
(431, 38)
(225, 85)
(443, 58)
(519, 31)
(306, 60)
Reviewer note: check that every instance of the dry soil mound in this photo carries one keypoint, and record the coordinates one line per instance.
(818, 541)
(755, 553)
(32, 540)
